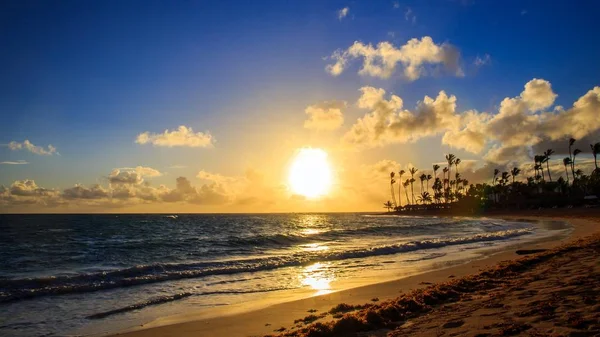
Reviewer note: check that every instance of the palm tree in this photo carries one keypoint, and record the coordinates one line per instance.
(539, 160)
(388, 205)
(567, 161)
(400, 174)
(571, 142)
(428, 178)
(412, 172)
(575, 153)
(450, 158)
(392, 182)
(496, 171)
(405, 185)
(547, 154)
(595, 150)
(456, 162)
(436, 167)
(515, 172)
(422, 177)
(444, 171)
(424, 197)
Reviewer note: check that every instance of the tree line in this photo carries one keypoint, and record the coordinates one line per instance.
(449, 189)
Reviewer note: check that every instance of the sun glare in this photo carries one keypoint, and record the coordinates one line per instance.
(310, 173)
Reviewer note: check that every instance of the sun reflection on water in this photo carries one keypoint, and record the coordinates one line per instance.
(318, 276)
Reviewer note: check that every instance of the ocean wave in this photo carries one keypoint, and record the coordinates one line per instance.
(175, 297)
(17, 289)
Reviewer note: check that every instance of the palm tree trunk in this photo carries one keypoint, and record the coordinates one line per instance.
(393, 195)
(412, 191)
(567, 173)
(406, 192)
(400, 191)
(572, 164)
(548, 168)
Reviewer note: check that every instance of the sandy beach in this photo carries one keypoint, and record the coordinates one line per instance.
(496, 302)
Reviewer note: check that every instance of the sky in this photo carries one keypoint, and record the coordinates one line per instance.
(202, 106)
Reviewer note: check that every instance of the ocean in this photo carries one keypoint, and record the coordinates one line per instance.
(65, 275)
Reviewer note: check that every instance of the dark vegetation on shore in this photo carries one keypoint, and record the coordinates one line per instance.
(507, 276)
(451, 194)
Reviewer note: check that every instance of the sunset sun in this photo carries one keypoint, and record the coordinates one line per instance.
(310, 173)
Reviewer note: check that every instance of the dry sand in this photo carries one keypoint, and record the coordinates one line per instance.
(552, 295)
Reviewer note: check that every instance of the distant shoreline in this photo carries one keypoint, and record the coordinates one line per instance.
(266, 320)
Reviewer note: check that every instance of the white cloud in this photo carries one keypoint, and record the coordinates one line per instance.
(18, 162)
(396, 4)
(470, 135)
(342, 13)
(414, 59)
(521, 125)
(388, 123)
(129, 175)
(183, 136)
(481, 61)
(325, 115)
(27, 145)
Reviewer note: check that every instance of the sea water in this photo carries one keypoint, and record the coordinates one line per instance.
(88, 274)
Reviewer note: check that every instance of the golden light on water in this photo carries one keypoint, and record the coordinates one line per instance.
(310, 173)
(318, 277)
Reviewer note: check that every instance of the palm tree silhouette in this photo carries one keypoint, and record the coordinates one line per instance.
(444, 171)
(496, 171)
(456, 162)
(400, 174)
(567, 161)
(405, 185)
(515, 172)
(547, 154)
(424, 197)
(450, 159)
(428, 178)
(575, 153)
(571, 142)
(595, 150)
(422, 177)
(412, 172)
(436, 167)
(539, 160)
(392, 182)
(388, 205)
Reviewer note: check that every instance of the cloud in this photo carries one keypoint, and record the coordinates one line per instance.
(481, 61)
(522, 126)
(342, 13)
(396, 4)
(470, 135)
(325, 116)
(183, 136)
(388, 123)
(18, 162)
(410, 16)
(27, 145)
(523, 12)
(130, 175)
(414, 59)
(81, 192)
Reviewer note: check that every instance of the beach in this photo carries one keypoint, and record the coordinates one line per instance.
(296, 317)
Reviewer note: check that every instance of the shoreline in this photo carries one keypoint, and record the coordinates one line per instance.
(269, 319)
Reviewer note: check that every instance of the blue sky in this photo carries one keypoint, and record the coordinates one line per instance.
(88, 77)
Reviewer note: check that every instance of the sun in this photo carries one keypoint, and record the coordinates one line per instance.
(310, 173)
